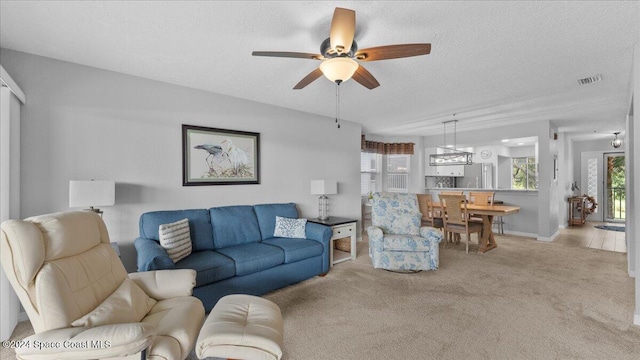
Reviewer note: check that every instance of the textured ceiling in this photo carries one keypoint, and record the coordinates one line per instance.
(492, 63)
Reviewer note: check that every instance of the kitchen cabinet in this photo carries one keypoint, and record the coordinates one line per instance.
(450, 170)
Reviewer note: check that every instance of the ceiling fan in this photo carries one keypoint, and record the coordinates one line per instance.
(339, 53)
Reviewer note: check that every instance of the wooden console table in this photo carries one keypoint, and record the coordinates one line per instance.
(576, 210)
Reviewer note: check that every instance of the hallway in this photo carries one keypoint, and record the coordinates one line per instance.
(591, 237)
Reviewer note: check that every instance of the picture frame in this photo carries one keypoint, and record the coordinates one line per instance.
(212, 156)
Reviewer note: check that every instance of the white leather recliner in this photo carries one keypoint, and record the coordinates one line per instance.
(66, 273)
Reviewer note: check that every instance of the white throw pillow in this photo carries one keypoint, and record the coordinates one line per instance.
(290, 228)
(128, 304)
(175, 238)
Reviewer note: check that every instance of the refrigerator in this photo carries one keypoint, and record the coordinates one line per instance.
(477, 176)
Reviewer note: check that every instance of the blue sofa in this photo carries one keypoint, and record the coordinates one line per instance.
(234, 251)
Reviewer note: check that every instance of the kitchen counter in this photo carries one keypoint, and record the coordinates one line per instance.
(476, 189)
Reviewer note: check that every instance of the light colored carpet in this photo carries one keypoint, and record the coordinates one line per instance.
(523, 300)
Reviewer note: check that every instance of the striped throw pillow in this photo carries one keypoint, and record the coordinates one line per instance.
(175, 238)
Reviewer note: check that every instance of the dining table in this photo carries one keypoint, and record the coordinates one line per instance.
(487, 213)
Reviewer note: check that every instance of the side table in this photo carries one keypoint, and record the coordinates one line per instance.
(341, 228)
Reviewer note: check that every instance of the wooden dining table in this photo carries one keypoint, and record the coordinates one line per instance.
(487, 213)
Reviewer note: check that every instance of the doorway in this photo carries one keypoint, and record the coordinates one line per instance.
(614, 199)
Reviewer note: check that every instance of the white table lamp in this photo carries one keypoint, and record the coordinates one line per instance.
(92, 193)
(323, 188)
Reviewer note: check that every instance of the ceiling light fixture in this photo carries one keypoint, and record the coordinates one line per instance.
(339, 69)
(448, 155)
(616, 143)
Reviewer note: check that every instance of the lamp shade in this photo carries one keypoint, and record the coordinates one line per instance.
(339, 68)
(324, 187)
(92, 193)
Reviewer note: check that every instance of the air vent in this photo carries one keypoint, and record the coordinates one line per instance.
(590, 79)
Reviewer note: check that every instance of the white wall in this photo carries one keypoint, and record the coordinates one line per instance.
(548, 225)
(86, 123)
(633, 176)
(565, 174)
(9, 194)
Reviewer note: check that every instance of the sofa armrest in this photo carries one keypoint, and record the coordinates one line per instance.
(87, 343)
(151, 256)
(432, 234)
(322, 234)
(318, 232)
(166, 284)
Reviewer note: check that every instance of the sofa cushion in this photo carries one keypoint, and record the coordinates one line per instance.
(234, 225)
(210, 266)
(296, 249)
(406, 243)
(267, 213)
(199, 222)
(253, 257)
(175, 239)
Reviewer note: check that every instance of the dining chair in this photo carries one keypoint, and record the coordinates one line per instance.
(456, 217)
(480, 198)
(451, 192)
(430, 216)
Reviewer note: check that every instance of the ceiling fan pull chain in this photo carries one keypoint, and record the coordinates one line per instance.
(337, 103)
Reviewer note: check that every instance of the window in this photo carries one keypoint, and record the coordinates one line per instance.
(368, 172)
(524, 173)
(398, 173)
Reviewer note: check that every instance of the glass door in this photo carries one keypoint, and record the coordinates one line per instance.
(614, 199)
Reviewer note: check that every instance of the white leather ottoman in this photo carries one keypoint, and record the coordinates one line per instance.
(242, 327)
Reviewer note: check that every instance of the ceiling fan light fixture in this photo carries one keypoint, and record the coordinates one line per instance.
(339, 69)
(616, 143)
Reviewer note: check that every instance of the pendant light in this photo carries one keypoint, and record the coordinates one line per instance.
(450, 155)
(616, 143)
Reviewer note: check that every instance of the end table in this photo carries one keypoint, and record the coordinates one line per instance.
(341, 228)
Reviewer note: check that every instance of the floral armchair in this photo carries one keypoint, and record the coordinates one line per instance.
(396, 240)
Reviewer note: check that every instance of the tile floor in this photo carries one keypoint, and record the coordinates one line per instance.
(588, 236)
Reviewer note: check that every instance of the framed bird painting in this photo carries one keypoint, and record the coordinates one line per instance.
(219, 157)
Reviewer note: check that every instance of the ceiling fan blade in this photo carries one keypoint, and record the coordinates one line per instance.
(392, 52)
(308, 79)
(343, 29)
(364, 78)
(288, 54)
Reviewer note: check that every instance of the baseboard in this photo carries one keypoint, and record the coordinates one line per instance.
(22, 317)
(548, 239)
(518, 233)
(636, 319)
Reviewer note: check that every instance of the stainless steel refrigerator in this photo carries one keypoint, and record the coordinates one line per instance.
(477, 176)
